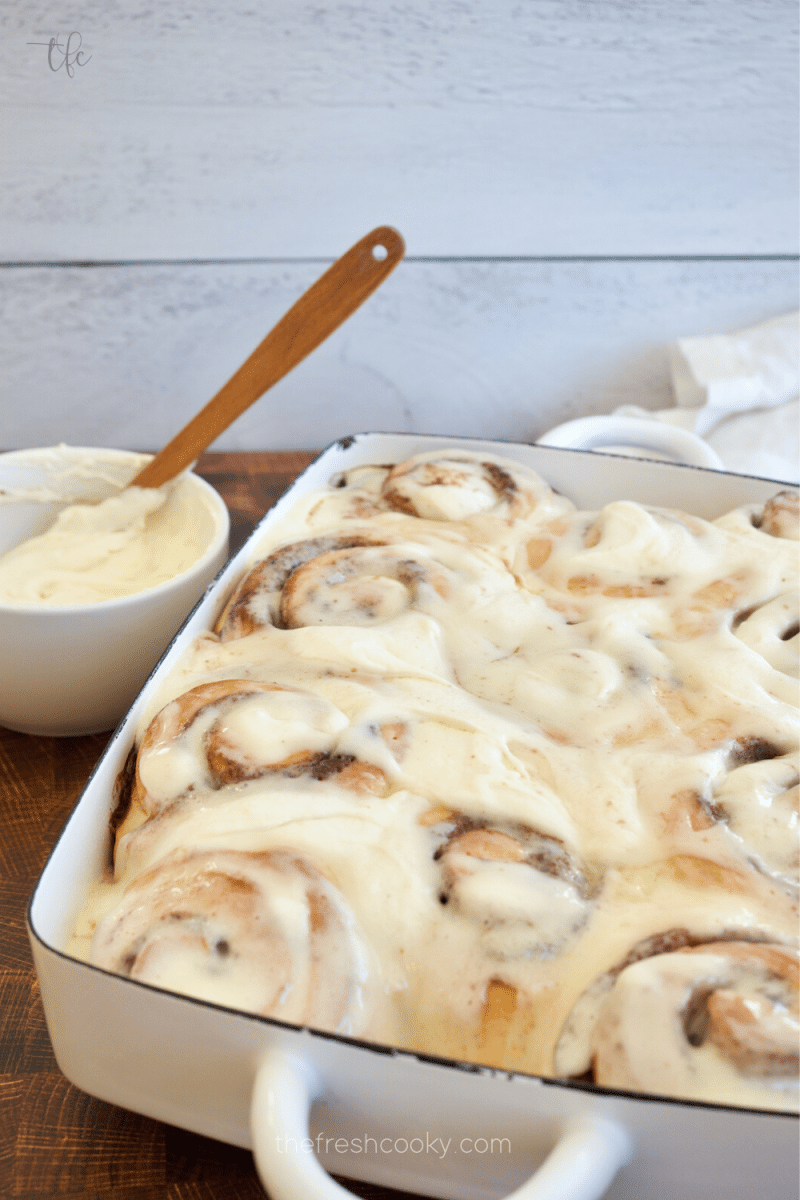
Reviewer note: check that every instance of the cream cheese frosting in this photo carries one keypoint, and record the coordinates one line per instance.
(114, 547)
(539, 758)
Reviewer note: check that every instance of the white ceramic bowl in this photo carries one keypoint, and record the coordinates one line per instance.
(74, 669)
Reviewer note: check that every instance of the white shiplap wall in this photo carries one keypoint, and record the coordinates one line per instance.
(123, 356)
(652, 145)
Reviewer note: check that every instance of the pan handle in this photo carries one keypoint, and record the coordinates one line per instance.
(640, 436)
(581, 1166)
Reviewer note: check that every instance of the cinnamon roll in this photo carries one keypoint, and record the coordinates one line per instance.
(361, 586)
(772, 629)
(524, 891)
(759, 803)
(353, 580)
(780, 516)
(264, 932)
(256, 602)
(628, 551)
(743, 819)
(366, 583)
(698, 1021)
(232, 730)
(457, 486)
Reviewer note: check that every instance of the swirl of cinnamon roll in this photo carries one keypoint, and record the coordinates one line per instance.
(629, 551)
(362, 586)
(752, 805)
(256, 601)
(698, 1020)
(760, 803)
(358, 582)
(453, 487)
(232, 730)
(772, 629)
(261, 931)
(780, 516)
(523, 889)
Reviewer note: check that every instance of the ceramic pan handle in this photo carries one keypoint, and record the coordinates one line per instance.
(639, 434)
(580, 1167)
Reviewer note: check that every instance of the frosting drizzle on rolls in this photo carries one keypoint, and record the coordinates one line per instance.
(257, 601)
(262, 931)
(524, 890)
(484, 744)
(696, 1022)
(224, 732)
(781, 516)
(454, 487)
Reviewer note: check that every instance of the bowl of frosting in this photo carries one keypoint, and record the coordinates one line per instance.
(95, 579)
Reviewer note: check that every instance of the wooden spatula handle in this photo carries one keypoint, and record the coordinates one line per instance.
(319, 311)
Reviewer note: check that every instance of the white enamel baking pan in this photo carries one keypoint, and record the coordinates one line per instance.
(301, 1098)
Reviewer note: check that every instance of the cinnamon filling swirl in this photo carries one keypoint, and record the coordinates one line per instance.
(523, 889)
(760, 803)
(678, 1022)
(265, 932)
(460, 486)
(450, 488)
(257, 601)
(780, 516)
(772, 630)
(363, 586)
(233, 730)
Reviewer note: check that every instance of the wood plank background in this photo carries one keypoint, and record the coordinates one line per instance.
(489, 127)
(578, 184)
(124, 356)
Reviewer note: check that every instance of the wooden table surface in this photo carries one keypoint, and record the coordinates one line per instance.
(55, 1141)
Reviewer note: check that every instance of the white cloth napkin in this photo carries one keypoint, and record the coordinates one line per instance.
(740, 392)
